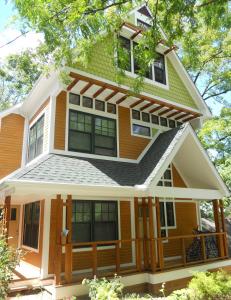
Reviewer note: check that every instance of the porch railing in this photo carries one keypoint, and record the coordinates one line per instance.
(146, 254)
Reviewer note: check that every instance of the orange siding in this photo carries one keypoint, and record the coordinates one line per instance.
(45, 103)
(11, 143)
(60, 121)
(130, 146)
(177, 179)
(32, 257)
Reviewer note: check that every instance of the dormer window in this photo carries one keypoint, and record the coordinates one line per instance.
(128, 61)
(36, 139)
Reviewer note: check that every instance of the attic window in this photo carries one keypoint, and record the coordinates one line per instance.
(166, 179)
(36, 139)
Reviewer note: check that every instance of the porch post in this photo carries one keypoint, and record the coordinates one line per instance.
(218, 227)
(58, 248)
(224, 238)
(145, 235)
(137, 228)
(151, 236)
(7, 205)
(68, 246)
(159, 241)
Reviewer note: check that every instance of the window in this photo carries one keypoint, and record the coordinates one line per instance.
(36, 139)
(100, 105)
(94, 221)
(166, 179)
(74, 99)
(167, 217)
(148, 71)
(145, 117)
(111, 108)
(124, 57)
(87, 102)
(143, 24)
(178, 123)
(163, 122)
(31, 224)
(13, 214)
(135, 114)
(159, 69)
(155, 119)
(141, 130)
(92, 134)
(171, 123)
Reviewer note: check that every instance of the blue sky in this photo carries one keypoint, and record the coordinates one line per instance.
(7, 11)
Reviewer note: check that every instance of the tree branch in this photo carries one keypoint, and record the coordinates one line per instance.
(217, 94)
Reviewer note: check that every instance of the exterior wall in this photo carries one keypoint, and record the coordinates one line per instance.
(35, 257)
(130, 146)
(11, 143)
(106, 257)
(43, 109)
(60, 121)
(102, 64)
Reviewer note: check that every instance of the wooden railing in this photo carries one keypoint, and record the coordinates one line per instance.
(146, 254)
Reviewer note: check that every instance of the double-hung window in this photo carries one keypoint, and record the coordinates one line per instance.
(92, 134)
(124, 54)
(94, 221)
(159, 69)
(31, 224)
(36, 139)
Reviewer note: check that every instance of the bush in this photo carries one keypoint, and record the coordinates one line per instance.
(206, 286)
(9, 258)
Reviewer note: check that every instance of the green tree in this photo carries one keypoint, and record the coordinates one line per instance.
(18, 73)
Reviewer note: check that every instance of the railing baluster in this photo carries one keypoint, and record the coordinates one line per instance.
(183, 252)
(117, 247)
(203, 248)
(94, 258)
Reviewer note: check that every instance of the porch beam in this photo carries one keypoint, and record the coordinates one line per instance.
(7, 205)
(186, 193)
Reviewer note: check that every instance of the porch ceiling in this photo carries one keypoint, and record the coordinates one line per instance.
(115, 94)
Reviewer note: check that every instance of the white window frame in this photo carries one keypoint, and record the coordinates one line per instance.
(166, 227)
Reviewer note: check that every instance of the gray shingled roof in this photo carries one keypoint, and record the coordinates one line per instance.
(89, 171)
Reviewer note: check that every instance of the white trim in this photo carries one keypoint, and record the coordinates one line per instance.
(20, 228)
(51, 123)
(16, 109)
(25, 143)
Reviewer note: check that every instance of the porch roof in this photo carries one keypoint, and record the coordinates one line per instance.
(56, 168)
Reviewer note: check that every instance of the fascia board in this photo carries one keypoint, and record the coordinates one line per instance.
(16, 109)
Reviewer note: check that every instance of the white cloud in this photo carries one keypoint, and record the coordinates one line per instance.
(30, 40)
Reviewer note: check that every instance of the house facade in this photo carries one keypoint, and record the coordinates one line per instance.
(97, 180)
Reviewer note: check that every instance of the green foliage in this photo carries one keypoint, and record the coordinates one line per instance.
(201, 29)
(17, 76)
(9, 258)
(205, 286)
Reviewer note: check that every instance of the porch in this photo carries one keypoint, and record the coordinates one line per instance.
(147, 252)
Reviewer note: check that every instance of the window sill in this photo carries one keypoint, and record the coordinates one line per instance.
(150, 81)
(30, 248)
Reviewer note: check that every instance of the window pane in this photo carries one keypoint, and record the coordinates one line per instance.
(99, 105)
(13, 214)
(74, 99)
(163, 233)
(145, 117)
(141, 130)
(178, 123)
(163, 121)
(170, 214)
(135, 114)
(124, 54)
(111, 108)
(36, 139)
(79, 141)
(167, 183)
(105, 231)
(87, 102)
(31, 224)
(172, 123)
(104, 142)
(155, 119)
(167, 174)
(159, 69)
(162, 214)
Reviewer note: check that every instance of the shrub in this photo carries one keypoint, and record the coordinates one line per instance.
(206, 286)
(9, 258)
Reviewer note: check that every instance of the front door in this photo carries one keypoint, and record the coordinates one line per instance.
(14, 225)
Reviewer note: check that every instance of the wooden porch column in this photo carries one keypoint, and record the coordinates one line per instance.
(58, 248)
(151, 236)
(218, 227)
(137, 228)
(68, 246)
(145, 233)
(7, 205)
(221, 205)
(159, 243)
